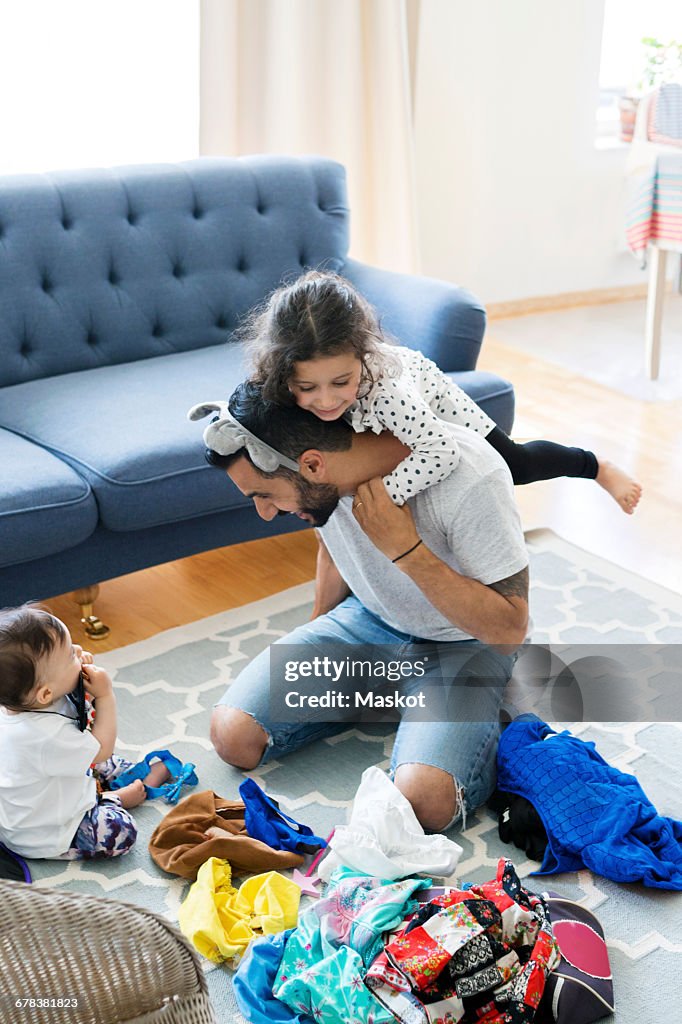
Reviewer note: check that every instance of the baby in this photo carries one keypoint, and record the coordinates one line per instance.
(49, 759)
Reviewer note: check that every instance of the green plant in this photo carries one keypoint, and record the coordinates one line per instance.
(662, 63)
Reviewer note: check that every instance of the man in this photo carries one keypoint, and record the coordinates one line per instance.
(448, 567)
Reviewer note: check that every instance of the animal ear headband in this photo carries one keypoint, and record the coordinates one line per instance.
(226, 435)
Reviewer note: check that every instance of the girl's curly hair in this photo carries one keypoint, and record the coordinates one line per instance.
(319, 315)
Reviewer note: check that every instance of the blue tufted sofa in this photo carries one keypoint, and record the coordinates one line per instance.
(119, 293)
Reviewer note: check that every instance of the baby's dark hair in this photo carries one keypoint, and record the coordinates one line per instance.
(27, 634)
(320, 314)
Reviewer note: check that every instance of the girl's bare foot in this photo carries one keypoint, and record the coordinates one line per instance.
(619, 485)
(132, 795)
(158, 774)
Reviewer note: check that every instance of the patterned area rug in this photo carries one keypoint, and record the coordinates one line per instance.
(167, 685)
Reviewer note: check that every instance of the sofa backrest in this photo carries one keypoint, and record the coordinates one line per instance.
(101, 267)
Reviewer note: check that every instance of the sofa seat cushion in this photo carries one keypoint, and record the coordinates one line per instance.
(124, 429)
(45, 506)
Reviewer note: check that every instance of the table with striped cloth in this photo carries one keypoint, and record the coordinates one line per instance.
(653, 224)
(655, 207)
(654, 212)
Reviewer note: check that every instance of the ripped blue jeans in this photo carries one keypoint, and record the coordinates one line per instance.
(466, 749)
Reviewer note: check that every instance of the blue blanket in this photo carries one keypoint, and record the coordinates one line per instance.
(595, 815)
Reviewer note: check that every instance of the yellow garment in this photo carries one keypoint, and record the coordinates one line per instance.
(220, 921)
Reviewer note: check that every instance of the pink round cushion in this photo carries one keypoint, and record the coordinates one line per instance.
(582, 947)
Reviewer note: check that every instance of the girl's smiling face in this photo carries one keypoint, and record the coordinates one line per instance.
(327, 386)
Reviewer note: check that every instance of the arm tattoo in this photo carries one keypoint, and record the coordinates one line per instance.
(513, 586)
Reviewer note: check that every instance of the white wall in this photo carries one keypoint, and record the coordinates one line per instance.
(514, 200)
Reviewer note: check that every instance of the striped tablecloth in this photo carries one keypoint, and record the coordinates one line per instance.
(654, 195)
(655, 206)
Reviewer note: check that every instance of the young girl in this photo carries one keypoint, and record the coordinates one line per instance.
(318, 343)
(49, 804)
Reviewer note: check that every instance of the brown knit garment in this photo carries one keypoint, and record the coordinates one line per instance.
(179, 846)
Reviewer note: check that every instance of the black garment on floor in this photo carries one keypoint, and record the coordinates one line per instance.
(13, 867)
(519, 823)
(542, 460)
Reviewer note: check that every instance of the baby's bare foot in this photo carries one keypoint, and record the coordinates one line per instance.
(158, 774)
(619, 485)
(132, 795)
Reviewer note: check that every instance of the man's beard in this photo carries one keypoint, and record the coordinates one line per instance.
(318, 501)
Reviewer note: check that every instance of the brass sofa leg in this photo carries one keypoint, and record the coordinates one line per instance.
(86, 597)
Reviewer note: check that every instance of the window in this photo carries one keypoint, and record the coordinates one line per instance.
(98, 82)
(624, 56)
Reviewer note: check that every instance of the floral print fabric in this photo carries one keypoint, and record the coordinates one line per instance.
(472, 956)
(326, 957)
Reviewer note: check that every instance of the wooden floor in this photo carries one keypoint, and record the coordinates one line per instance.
(644, 437)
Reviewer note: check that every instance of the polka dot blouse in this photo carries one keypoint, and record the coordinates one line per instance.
(413, 398)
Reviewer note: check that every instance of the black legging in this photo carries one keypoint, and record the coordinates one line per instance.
(542, 460)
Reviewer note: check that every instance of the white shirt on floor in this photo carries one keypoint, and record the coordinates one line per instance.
(44, 786)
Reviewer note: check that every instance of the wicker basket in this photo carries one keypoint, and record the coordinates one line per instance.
(108, 962)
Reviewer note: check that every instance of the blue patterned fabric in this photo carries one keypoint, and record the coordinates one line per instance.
(595, 815)
(254, 981)
(106, 830)
(323, 964)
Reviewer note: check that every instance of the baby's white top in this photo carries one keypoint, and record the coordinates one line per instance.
(44, 786)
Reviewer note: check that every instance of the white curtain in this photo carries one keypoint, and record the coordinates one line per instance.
(330, 77)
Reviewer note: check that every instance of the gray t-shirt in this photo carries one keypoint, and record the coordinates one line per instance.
(469, 521)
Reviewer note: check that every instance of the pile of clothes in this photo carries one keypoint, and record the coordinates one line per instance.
(204, 839)
(375, 951)
(207, 839)
(383, 944)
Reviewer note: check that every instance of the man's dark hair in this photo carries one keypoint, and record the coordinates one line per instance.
(288, 429)
(27, 634)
